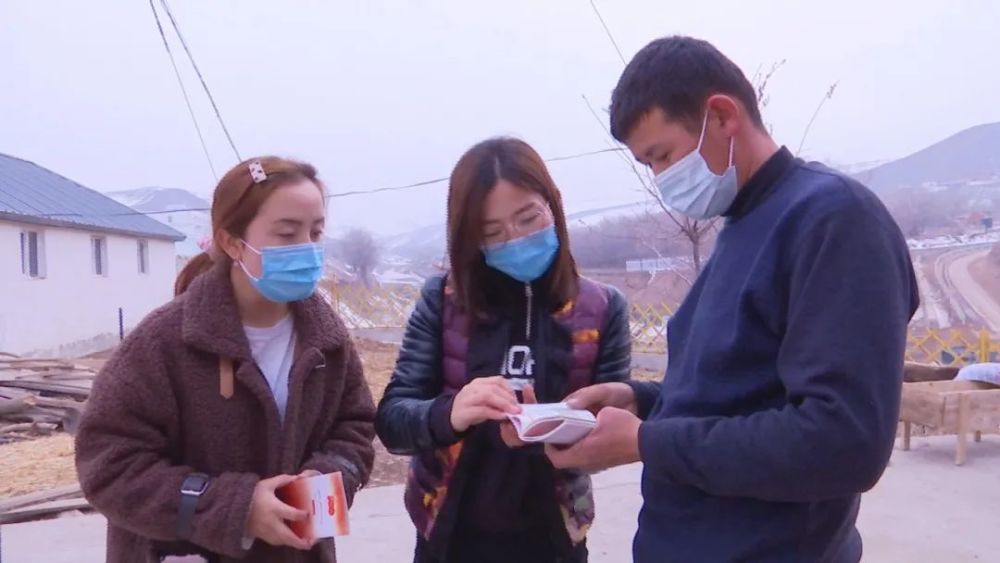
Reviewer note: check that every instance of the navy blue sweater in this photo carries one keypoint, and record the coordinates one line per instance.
(781, 398)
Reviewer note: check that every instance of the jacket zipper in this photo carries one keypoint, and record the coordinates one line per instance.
(530, 295)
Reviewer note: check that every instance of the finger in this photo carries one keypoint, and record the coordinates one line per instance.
(280, 481)
(501, 386)
(289, 513)
(529, 395)
(309, 473)
(560, 458)
(483, 413)
(495, 380)
(285, 536)
(509, 435)
(588, 398)
(500, 402)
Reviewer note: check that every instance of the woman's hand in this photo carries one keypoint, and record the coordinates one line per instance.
(269, 516)
(507, 432)
(485, 398)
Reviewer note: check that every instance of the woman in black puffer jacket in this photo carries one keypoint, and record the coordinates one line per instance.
(512, 320)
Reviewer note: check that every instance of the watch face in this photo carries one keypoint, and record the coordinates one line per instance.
(196, 484)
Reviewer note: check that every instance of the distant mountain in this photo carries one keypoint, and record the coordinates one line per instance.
(593, 217)
(422, 243)
(430, 242)
(968, 156)
(156, 200)
(181, 209)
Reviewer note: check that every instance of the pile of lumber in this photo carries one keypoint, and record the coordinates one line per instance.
(42, 504)
(40, 396)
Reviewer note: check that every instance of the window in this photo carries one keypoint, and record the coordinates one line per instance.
(142, 247)
(100, 255)
(32, 254)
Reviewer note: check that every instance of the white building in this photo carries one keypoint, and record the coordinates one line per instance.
(71, 261)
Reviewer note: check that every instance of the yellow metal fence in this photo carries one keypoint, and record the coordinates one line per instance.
(385, 307)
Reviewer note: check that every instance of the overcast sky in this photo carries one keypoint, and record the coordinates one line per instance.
(388, 93)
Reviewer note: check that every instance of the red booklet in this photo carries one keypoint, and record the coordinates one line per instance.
(323, 498)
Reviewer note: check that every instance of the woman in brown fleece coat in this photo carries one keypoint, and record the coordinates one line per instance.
(246, 381)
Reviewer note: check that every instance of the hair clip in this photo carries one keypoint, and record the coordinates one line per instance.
(257, 172)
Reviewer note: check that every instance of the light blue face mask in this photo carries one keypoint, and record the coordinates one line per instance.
(287, 273)
(525, 259)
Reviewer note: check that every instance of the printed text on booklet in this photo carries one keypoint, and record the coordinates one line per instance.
(323, 498)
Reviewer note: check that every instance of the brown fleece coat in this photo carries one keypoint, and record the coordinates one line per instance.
(157, 415)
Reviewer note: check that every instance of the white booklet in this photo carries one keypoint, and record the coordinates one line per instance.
(552, 423)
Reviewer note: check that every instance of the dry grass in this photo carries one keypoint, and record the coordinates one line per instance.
(379, 360)
(36, 465)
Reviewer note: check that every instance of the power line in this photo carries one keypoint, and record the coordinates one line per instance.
(197, 71)
(180, 81)
(335, 195)
(593, 5)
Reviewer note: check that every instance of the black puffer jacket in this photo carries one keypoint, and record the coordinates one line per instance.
(492, 487)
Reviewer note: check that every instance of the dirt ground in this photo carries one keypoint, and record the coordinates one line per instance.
(986, 272)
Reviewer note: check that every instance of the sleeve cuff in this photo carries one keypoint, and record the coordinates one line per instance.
(655, 445)
(440, 421)
(646, 394)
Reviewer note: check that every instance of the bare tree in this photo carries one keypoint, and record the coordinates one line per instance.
(691, 229)
(361, 253)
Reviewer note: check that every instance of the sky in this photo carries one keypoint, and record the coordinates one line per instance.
(380, 94)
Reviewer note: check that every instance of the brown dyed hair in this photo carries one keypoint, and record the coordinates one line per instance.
(476, 173)
(236, 202)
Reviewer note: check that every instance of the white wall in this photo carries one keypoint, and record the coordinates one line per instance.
(72, 311)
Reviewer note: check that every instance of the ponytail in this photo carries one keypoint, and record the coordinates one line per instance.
(194, 268)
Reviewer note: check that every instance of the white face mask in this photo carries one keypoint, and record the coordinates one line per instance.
(690, 187)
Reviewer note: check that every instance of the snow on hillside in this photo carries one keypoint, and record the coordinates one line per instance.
(952, 241)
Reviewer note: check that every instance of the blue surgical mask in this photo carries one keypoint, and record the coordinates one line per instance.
(287, 273)
(690, 187)
(525, 259)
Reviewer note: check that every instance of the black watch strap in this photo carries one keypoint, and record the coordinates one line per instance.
(193, 487)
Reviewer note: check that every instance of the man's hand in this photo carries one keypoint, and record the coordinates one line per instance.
(507, 432)
(596, 397)
(614, 441)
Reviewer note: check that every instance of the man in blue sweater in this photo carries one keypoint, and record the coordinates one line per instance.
(781, 397)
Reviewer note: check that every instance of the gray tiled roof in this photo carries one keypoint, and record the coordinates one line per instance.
(30, 193)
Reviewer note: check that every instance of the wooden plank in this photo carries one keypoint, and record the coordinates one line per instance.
(963, 429)
(36, 511)
(63, 404)
(984, 410)
(29, 427)
(38, 497)
(34, 418)
(14, 406)
(921, 406)
(928, 372)
(955, 386)
(70, 390)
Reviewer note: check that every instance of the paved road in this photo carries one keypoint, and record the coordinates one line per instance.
(925, 510)
(978, 300)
